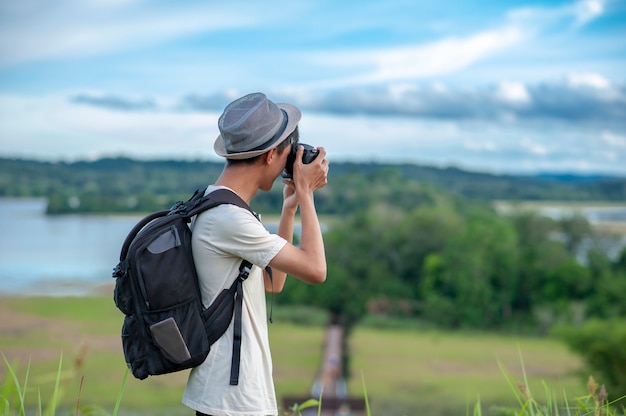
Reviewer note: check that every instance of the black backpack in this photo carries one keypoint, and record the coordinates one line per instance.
(166, 327)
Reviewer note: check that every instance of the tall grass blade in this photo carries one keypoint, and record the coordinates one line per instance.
(367, 402)
(614, 402)
(121, 393)
(6, 406)
(319, 405)
(307, 404)
(569, 413)
(529, 395)
(25, 387)
(20, 393)
(509, 381)
(80, 390)
(52, 406)
(478, 411)
(551, 405)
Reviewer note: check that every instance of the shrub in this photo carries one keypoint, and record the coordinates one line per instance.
(602, 346)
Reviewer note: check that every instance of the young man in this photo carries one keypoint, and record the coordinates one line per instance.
(256, 136)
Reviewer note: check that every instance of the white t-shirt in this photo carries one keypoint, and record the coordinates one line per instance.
(222, 237)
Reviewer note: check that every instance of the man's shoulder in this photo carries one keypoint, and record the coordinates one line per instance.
(224, 216)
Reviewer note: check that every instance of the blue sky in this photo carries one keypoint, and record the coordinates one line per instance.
(503, 87)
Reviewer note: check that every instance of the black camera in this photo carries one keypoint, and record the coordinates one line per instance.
(310, 153)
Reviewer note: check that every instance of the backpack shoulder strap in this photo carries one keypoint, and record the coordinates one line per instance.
(218, 197)
(197, 205)
(138, 227)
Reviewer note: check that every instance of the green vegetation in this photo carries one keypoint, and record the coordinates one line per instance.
(453, 263)
(409, 372)
(417, 251)
(36, 332)
(125, 185)
(602, 345)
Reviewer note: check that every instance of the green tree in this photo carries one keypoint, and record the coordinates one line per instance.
(606, 299)
(424, 231)
(476, 274)
(575, 229)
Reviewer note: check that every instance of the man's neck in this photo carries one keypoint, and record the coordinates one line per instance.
(242, 179)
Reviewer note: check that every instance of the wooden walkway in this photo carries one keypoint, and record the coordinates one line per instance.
(330, 384)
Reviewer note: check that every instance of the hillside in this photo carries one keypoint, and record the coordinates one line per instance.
(127, 185)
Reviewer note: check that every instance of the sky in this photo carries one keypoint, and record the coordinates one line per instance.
(516, 87)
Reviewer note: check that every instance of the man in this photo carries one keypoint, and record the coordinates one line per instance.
(256, 136)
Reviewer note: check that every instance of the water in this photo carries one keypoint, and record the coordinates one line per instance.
(594, 214)
(59, 255)
(69, 254)
(75, 254)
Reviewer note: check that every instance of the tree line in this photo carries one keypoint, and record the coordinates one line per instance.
(455, 263)
(127, 185)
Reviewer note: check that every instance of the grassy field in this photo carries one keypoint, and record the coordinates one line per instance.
(407, 372)
(439, 373)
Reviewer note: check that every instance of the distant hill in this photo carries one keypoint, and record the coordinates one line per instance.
(122, 184)
(566, 187)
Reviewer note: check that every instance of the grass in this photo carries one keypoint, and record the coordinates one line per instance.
(441, 372)
(407, 372)
(35, 332)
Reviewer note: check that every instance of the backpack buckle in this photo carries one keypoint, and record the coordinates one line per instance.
(178, 208)
(120, 269)
(244, 271)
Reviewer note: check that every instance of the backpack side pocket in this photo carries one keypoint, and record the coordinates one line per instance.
(123, 295)
(168, 338)
(178, 339)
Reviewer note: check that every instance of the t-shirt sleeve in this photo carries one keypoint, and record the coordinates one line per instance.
(240, 234)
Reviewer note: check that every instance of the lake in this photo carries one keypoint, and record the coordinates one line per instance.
(67, 254)
(59, 255)
(75, 254)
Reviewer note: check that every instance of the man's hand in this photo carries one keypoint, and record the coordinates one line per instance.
(312, 176)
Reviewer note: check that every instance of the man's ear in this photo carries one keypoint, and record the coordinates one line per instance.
(269, 156)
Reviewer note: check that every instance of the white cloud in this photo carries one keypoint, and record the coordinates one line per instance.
(480, 146)
(53, 128)
(579, 13)
(533, 147)
(78, 29)
(452, 98)
(522, 27)
(588, 10)
(442, 57)
(514, 93)
(588, 80)
(613, 140)
(420, 61)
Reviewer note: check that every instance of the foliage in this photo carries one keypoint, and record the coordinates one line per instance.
(126, 185)
(13, 394)
(401, 245)
(596, 403)
(455, 263)
(407, 242)
(448, 368)
(601, 344)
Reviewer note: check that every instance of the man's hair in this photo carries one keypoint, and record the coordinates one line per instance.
(293, 137)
